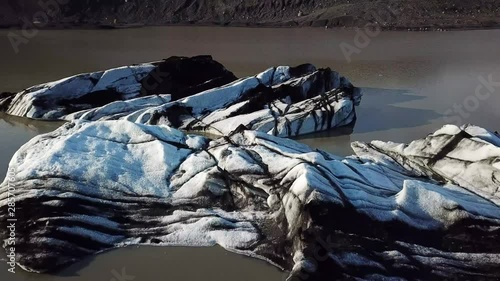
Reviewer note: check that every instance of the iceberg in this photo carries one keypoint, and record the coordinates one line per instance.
(426, 210)
(281, 101)
(176, 77)
(198, 95)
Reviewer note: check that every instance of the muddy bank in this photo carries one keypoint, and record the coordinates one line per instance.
(390, 14)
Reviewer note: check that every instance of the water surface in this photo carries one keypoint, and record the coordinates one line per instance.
(411, 82)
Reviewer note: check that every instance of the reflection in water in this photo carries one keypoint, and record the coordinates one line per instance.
(381, 111)
(29, 125)
(336, 141)
(161, 263)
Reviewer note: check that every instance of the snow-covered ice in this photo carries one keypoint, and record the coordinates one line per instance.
(106, 91)
(426, 210)
(197, 95)
(281, 101)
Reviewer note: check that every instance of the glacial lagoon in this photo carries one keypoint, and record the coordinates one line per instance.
(413, 83)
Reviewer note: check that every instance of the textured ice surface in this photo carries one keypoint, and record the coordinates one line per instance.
(176, 77)
(118, 109)
(427, 210)
(197, 94)
(281, 101)
(53, 100)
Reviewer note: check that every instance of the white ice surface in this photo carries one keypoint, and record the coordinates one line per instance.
(41, 101)
(228, 191)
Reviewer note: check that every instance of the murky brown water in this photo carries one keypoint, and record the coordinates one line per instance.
(160, 263)
(411, 80)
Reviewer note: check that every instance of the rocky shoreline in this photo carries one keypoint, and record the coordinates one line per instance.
(387, 15)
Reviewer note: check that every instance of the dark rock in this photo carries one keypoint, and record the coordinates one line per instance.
(181, 77)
